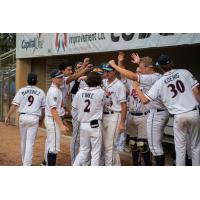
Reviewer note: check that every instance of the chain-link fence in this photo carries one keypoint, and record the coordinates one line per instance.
(7, 91)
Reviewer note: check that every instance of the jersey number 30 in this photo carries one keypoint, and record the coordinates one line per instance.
(87, 108)
(30, 100)
(176, 88)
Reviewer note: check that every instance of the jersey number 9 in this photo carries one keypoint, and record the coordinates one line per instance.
(30, 100)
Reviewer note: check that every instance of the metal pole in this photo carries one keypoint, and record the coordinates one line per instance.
(2, 94)
(9, 82)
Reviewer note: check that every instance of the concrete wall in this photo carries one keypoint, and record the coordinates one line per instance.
(38, 66)
(23, 67)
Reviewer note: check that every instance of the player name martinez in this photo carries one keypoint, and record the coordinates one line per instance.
(31, 92)
(171, 78)
(87, 95)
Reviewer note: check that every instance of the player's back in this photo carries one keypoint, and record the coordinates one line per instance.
(147, 80)
(89, 103)
(30, 100)
(176, 91)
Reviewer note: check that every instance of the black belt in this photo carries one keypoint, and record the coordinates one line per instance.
(28, 114)
(139, 114)
(194, 108)
(160, 110)
(107, 113)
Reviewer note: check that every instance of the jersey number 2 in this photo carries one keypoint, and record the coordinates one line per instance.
(30, 100)
(87, 109)
(178, 87)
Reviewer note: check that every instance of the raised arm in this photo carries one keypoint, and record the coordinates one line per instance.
(85, 67)
(120, 58)
(135, 58)
(129, 74)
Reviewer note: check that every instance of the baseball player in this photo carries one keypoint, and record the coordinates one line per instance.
(136, 122)
(114, 115)
(123, 138)
(179, 92)
(88, 103)
(66, 87)
(158, 116)
(74, 145)
(30, 100)
(68, 81)
(53, 112)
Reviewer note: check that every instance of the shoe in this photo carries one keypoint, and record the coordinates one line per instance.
(43, 163)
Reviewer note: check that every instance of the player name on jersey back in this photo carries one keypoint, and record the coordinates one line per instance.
(31, 91)
(171, 78)
(89, 103)
(175, 91)
(30, 100)
(87, 95)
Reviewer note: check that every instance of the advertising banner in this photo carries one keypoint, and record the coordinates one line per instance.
(48, 44)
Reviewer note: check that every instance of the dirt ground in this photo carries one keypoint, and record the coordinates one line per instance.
(10, 148)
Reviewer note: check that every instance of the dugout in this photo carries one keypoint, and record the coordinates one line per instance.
(40, 53)
(184, 56)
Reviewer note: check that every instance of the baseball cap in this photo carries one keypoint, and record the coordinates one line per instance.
(56, 74)
(163, 60)
(98, 70)
(32, 77)
(107, 67)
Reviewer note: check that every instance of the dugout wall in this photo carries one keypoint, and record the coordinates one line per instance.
(183, 56)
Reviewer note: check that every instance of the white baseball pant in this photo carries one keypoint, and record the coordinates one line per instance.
(187, 123)
(53, 135)
(156, 123)
(110, 133)
(28, 125)
(137, 126)
(90, 145)
(75, 140)
(46, 152)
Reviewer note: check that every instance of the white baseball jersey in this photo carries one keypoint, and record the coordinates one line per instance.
(175, 91)
(135, 105)
(124, 81)
(115, 94)
(89, 103)
(66, 90)
(82, 84)
(147, 81)
(54, 100)
(30, 100)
